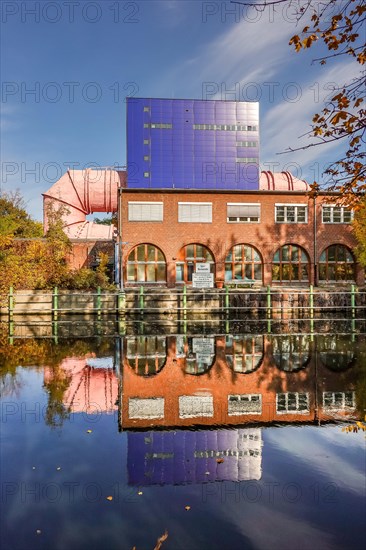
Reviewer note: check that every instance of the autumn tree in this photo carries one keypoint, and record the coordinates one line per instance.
(359, 226)
(340, 27)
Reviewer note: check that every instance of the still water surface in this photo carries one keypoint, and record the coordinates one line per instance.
(223, 441)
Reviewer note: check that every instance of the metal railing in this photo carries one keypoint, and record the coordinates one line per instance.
(268, 303)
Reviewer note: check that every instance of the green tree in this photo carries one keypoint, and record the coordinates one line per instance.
(14, 219)
(109, 220)
(340, 27)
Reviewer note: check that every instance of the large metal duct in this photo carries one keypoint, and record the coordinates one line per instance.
(84, 192)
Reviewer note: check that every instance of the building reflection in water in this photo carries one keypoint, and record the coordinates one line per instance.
(238, 380)
(200, 392)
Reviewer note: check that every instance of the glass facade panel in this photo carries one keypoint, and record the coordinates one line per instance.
(209, 130)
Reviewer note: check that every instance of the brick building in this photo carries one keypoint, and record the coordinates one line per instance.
(193, 194)
(268, 236)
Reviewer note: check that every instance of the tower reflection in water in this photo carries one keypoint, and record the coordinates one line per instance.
(185, 456)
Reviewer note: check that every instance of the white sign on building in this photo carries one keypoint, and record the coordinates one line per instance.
(202, 280)
(203, 268)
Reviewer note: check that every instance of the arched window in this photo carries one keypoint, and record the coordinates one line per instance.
(146, 264)
(243, 262)
(198, 353)
(291, 352)
(146, 355)
(188, 257)
(290, 263)
(335, 352)
(336, 264)
(244, 354)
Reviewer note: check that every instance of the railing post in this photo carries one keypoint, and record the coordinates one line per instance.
(185, 301)
(269, 304)
(55, 304)
(353, 300)
(55, 331)
(99, 301)
(121, 303)
(311, 305)
(269, 309)
(141, 300)
(11, 304)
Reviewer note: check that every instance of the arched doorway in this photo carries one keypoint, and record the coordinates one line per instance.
(189, 256)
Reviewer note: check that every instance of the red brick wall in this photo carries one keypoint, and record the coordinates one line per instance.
(219, 236)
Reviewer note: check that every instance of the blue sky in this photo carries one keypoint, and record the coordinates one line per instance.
(81, 59)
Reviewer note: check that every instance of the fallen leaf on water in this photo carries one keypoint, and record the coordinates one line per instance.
(38, 531)
(88, 431)
(160, 540)
(110, 497)
(219, 460)
(139, 493)
(58, 468)
(187, 508)
(33, 467)
(207, 473)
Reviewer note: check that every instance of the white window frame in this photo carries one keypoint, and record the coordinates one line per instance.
(146, 408)
(247, 397)
(306, 411)
(184, 216)
(343, 407)
(342, 209)
(196, 406)
(291, 205)
(238, 220)
(147, 214)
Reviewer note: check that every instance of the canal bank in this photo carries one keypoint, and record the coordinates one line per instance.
(262, 303)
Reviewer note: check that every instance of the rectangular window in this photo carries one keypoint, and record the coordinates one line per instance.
(244, 404)
(146, 142)
(291, 213)
(151, 407)
(145, 211)
(195, 212)
(230, 127)
(339, 401)
(247, 160)
(146, 109)
(247, 143)
(146, 174)
(245, 213)
(146, 157)
(191, 406)
(160, 125)
(292, 402)
(337, 214)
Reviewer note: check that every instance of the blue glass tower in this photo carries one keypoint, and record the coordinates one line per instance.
(192, 144)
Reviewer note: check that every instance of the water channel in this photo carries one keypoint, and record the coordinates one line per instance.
(217, 435)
